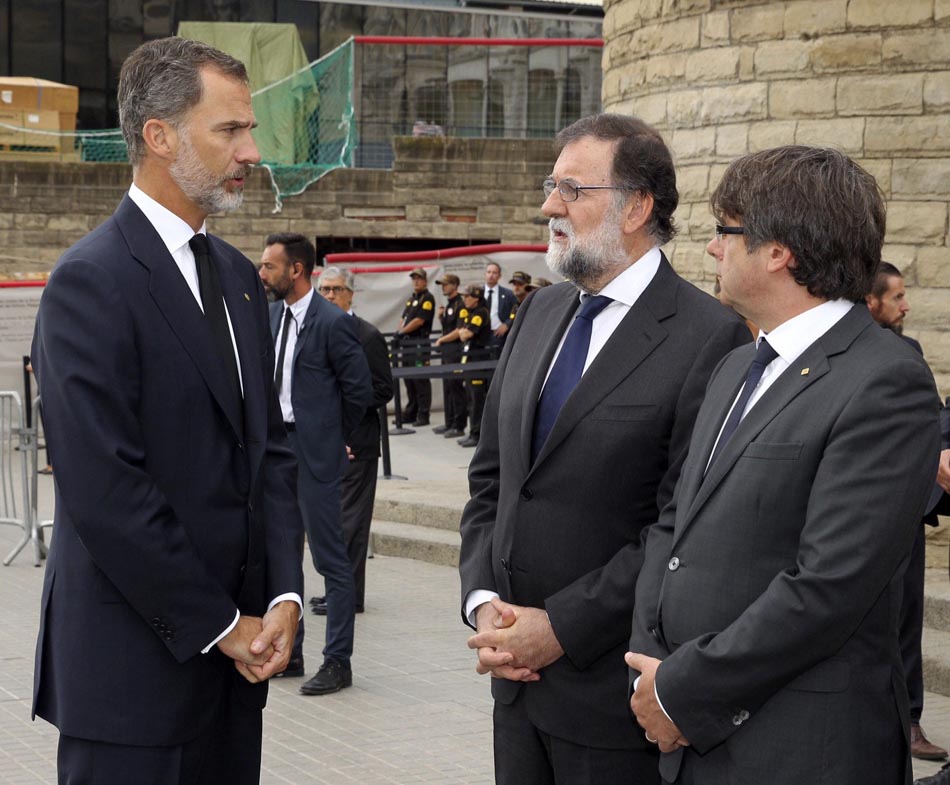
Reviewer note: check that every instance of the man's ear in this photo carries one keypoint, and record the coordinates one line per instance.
(637, 212)
(161, 139)
(779, 257)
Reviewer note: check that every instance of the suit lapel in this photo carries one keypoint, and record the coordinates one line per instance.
(306, 327)
(561, 313)
(783, 391)
(634, 339)
(178, 305)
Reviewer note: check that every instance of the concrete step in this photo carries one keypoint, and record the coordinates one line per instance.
(410, 541)
(430, 514)
(937, 600)
(936, 650)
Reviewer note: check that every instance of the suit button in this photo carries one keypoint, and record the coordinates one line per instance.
(743, 715)
(240, 446)
(737, 720)
(674, 564)
(243, 569)
(526, 494)
(167, 636)
(156, 620)
(250, 506)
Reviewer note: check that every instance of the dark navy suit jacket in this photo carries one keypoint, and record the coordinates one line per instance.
(175, 503)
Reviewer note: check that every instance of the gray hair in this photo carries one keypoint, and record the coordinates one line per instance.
(339, 272)
(161, 80)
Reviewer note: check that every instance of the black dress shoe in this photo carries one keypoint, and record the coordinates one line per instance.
(440, 429)
(318, 601)
(942, 777)
(420, 422)
(319, 608)
(294, 669)
(453, 433)
(471, 441)
(333, 676)
(359, 608)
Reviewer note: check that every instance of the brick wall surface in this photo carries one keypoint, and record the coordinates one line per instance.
(720, 78)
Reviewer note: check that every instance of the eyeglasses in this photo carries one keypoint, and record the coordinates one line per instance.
(569, 190)
(724, 230)
(333, 289)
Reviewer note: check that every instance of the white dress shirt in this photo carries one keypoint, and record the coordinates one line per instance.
(298, 311)
(493, 311)
(624, 290)
(175, 233)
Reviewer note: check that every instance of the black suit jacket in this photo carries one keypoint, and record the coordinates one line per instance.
(563, 534)
(330, 385)
(172, 509)
(768, 584)
(364, 441)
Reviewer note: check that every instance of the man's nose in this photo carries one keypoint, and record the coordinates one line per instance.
(553, 205)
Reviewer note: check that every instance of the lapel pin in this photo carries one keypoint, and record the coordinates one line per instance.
(247, 296)
(805, 371)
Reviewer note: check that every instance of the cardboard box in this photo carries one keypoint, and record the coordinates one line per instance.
(9, 136)
(28, 93)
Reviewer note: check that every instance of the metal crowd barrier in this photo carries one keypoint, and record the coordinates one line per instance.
(18, 475)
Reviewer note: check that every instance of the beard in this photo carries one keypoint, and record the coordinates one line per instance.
(206, 190)
(585, 261)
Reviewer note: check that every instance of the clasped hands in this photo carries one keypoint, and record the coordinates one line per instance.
(261, 647)
(659, 728)
(513, 642)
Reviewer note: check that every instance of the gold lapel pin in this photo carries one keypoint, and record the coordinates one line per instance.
(805, 371)
(247, 296)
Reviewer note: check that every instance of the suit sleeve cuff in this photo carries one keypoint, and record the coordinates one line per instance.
(474, 599)
(231, 626)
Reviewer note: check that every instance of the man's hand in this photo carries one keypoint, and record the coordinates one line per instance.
(276, 639)
(497, 663)
(501, 330)
(528, 636)
(658, 727)
(943, 471)
(238, 643)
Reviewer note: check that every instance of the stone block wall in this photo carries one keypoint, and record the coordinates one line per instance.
(439, 188)
(720, 78)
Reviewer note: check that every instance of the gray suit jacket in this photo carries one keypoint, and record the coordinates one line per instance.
(563, 534)
(767, 586)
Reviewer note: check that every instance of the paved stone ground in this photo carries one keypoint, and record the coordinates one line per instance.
(416, 713)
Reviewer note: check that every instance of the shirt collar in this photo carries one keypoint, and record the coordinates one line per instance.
(299, 308)
(627, 287)
(172, 229)
(791, 338)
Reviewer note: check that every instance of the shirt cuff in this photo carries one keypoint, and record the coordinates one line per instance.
(474, 599)
(231, 626)
(291, 597)
(656, 694)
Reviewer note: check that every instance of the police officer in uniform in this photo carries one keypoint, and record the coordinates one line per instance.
(412, 338)
(453, 390)
(476, 335)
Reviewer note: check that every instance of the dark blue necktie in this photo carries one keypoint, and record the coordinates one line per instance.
(763, 356)
(566, 372)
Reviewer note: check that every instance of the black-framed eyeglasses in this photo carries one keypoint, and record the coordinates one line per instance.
(333, 289)
(724, 230)
(569, 190)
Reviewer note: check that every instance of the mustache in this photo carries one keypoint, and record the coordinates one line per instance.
(237, 174)
(561, 225)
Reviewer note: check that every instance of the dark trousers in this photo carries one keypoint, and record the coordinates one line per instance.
(912, 624)
(228, 754)
(477, 393)
(526, 755)
(359, 494)
(415, 354)
(453, 390)
(320, 503)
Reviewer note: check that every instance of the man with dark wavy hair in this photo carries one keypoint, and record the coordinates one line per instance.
(765, 624)
(581, 442)
(173, 584)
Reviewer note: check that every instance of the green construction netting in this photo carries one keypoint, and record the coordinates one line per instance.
(306, 125)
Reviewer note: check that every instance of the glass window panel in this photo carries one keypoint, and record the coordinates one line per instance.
(5, 37)
(468, 99)
(338, 21)
(542, 103)
(36, 47)
(85, 53)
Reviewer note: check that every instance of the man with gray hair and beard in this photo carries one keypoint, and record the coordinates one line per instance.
(583, 436)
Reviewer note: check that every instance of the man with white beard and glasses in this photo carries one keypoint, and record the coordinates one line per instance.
(583, 435)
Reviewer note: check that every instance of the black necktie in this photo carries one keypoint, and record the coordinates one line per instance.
(763, 356)
(279, 371)
(567, 371)
(212, 299)
(488, 300)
